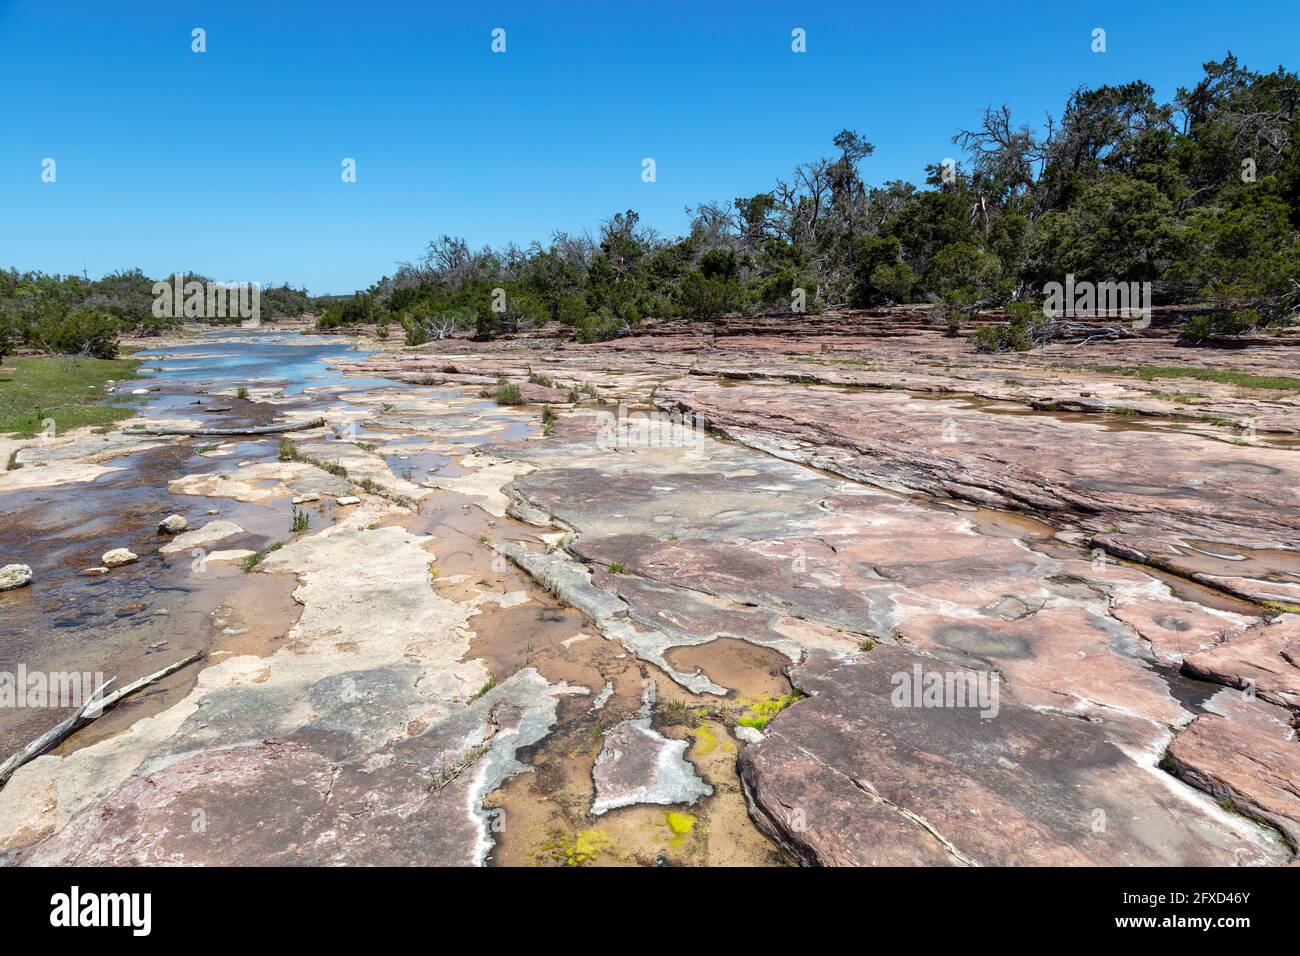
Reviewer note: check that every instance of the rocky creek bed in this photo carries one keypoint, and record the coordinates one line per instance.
(557, 640)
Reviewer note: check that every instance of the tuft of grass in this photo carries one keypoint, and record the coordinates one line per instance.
(257, 557)
(867, 645)
(241, 392)
(12, 463)
(67, 391)
(548, 420)
(289, 451)
(616, 567)
(300, 521)
(487, 686)
(507, 393)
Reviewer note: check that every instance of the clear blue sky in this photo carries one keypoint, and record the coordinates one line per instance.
(228, 162)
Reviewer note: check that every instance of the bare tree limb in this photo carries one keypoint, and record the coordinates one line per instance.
(95, 705)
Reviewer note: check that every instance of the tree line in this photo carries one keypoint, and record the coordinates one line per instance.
(1199, 196)
(76, 315)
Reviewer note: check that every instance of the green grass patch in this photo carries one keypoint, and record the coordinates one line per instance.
(70, 391)
(257, 557)
(487, 686)
(507, 393)
(1149, 373)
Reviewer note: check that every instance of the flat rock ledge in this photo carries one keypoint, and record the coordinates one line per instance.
(847, 778)
(639, 765)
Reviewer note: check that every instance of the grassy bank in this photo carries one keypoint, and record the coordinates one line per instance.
(68, 390)
(1224, 376)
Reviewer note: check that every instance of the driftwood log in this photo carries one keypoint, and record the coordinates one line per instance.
(216, 432)
(92, 708)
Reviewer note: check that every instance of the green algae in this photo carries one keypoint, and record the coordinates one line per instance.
(763, 710)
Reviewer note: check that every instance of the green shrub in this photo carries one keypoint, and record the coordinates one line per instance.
(80, 332)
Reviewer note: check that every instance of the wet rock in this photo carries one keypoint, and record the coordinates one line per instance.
(232, 555)
(15, 576)
(637, 764)
(172, 524)
(348, 500)
(306, 499)
(118, 557)
(201, 537)
(845, 777)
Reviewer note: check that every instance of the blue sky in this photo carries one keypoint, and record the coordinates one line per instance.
(228, 162)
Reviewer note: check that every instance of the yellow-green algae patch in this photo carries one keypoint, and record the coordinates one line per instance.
(762, 710)
(705, 739)
(586, 847)
(681, 824)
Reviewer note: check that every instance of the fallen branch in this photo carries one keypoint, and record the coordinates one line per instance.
(206, 432)
(92, 708)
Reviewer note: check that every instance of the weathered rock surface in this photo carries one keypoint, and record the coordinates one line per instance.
(718, 540)
(118, 557)
(1265, 659)
(298, 801)
(846, 778)
(1256, 770)
(15, 576)
(637, 764)
(172, 524)
(202, 537)
(1191, 503)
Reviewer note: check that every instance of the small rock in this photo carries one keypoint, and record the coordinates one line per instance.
(172, 524)
(15, 576)
(118, 557)
(139, 391)
(749, 735)
(304, 499)
(94, 572)
(348, 500)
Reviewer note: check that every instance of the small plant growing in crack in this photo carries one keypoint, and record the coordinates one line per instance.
(488, 684)
(300, 521)
(448, 774)
(257, 557)
(616, 567)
